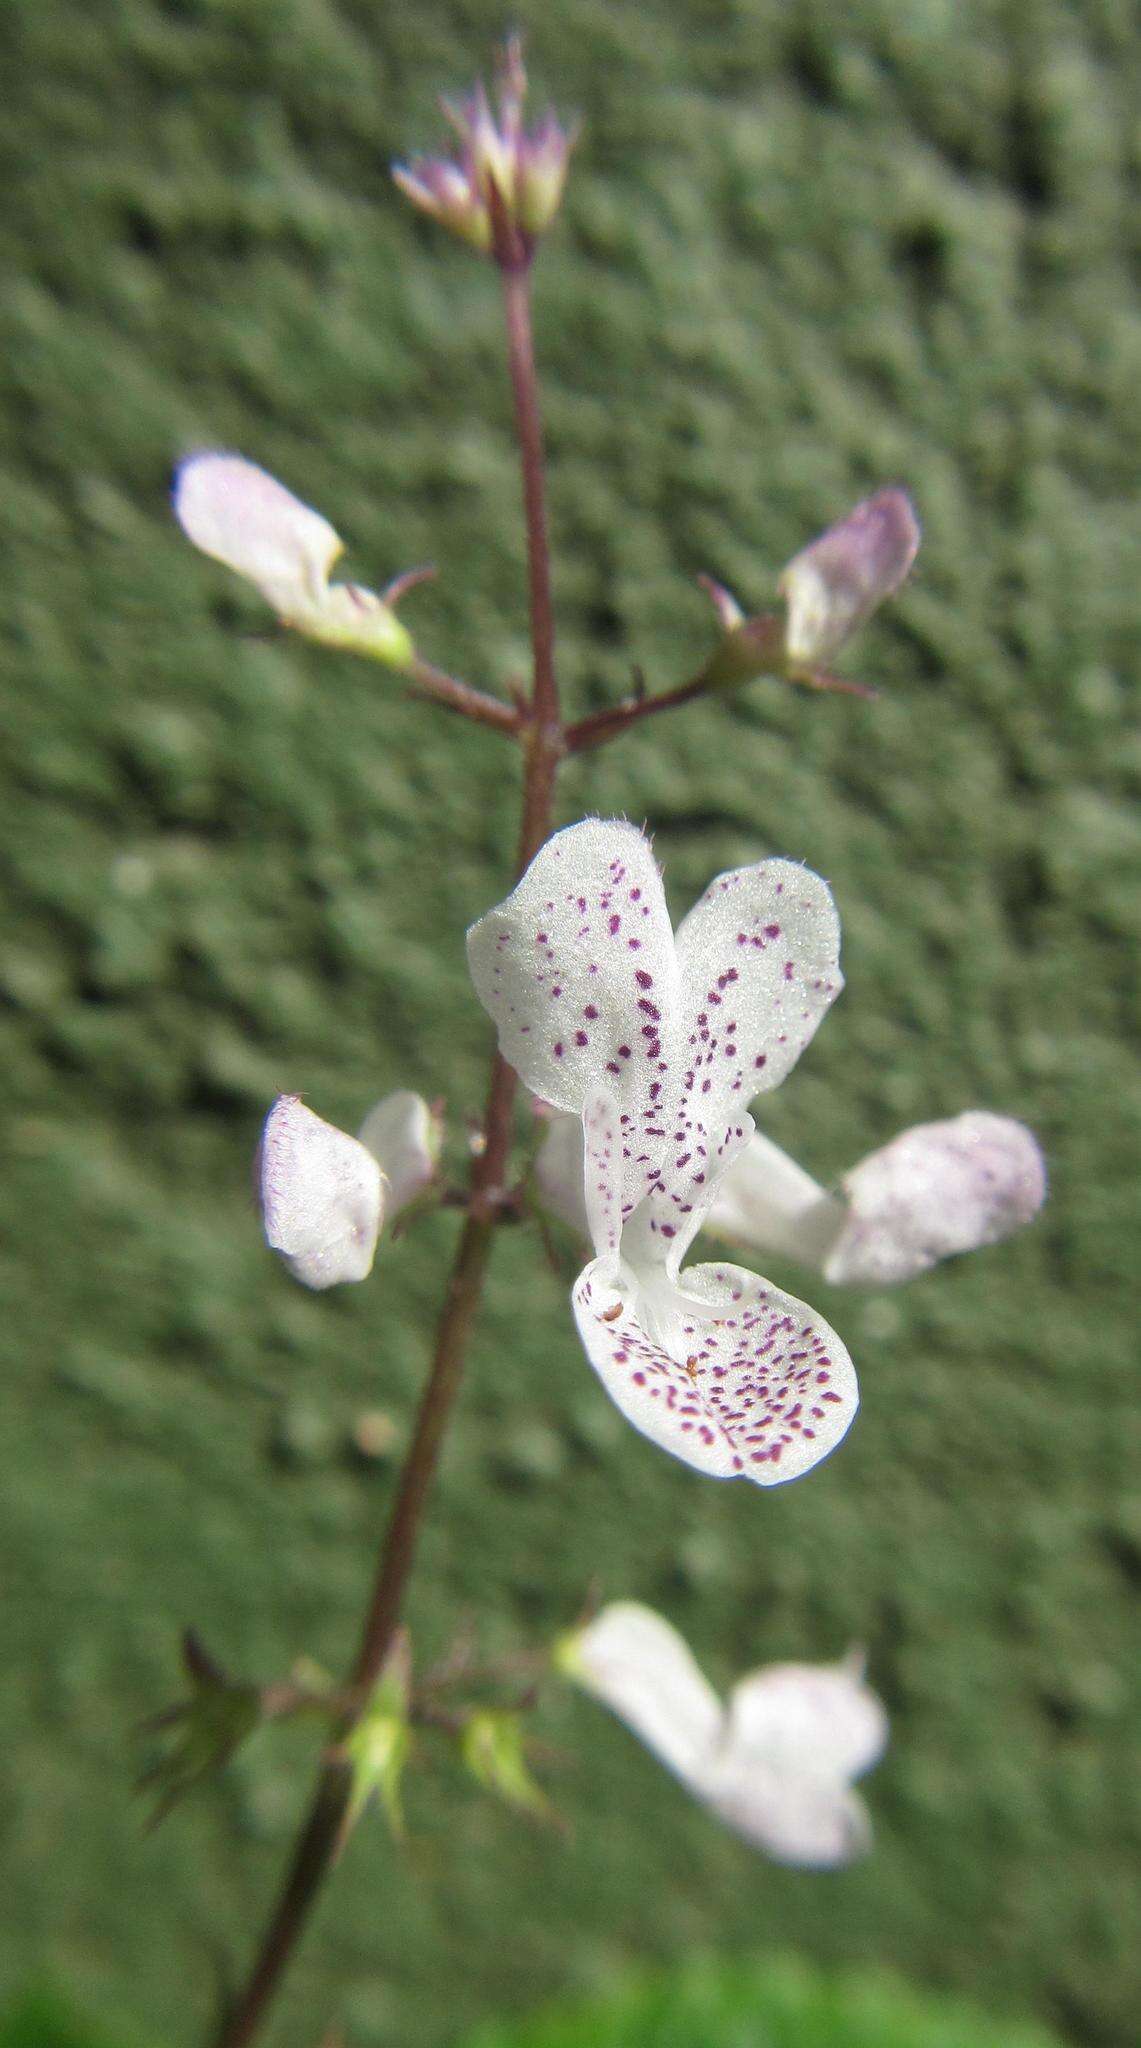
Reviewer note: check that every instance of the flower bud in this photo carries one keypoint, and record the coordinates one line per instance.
(837, 581)
(240, 515)
(936, 1190)
(404, 1136)
(321, 1196)
(505, 188)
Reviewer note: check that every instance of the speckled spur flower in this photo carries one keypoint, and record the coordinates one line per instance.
(240, 515)
(775, 1763)
(659, 1045)
(325, 1195)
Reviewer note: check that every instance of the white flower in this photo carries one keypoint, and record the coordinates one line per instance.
(776, 1763)
(659, 1047)
(323, 1193)
(240, 515)
(936, 1190)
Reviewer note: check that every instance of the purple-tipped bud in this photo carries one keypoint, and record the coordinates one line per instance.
(541, 173)
(836, 582)
(505, 187)
(447, 191)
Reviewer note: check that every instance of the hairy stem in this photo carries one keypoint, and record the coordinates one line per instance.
(326, 1824)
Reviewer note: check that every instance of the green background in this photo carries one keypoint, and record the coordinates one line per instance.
(807, 250)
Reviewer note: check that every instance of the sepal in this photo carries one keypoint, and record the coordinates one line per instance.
(207, 1728)
(492, 1747)
(377, 1748)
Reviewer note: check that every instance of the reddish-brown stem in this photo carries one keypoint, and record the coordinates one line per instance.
(456, 696)
(601, 726)
(538, 724)
(521, 364)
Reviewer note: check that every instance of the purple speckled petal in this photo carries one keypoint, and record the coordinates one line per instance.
(731, 1375)
(759, 957)
(602, 1172)
(661, 1229)
(578, 969)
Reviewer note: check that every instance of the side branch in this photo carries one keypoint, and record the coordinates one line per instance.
(447, 690)
(601, 726)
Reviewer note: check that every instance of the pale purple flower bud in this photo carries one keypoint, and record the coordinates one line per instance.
(936, 1190)
(837, 581)
(321, 1196)
(541, 173)
(448, 192)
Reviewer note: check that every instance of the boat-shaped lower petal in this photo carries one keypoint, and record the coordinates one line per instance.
(739, 1380)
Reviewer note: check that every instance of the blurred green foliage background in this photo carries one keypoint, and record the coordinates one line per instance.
(807, 249)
